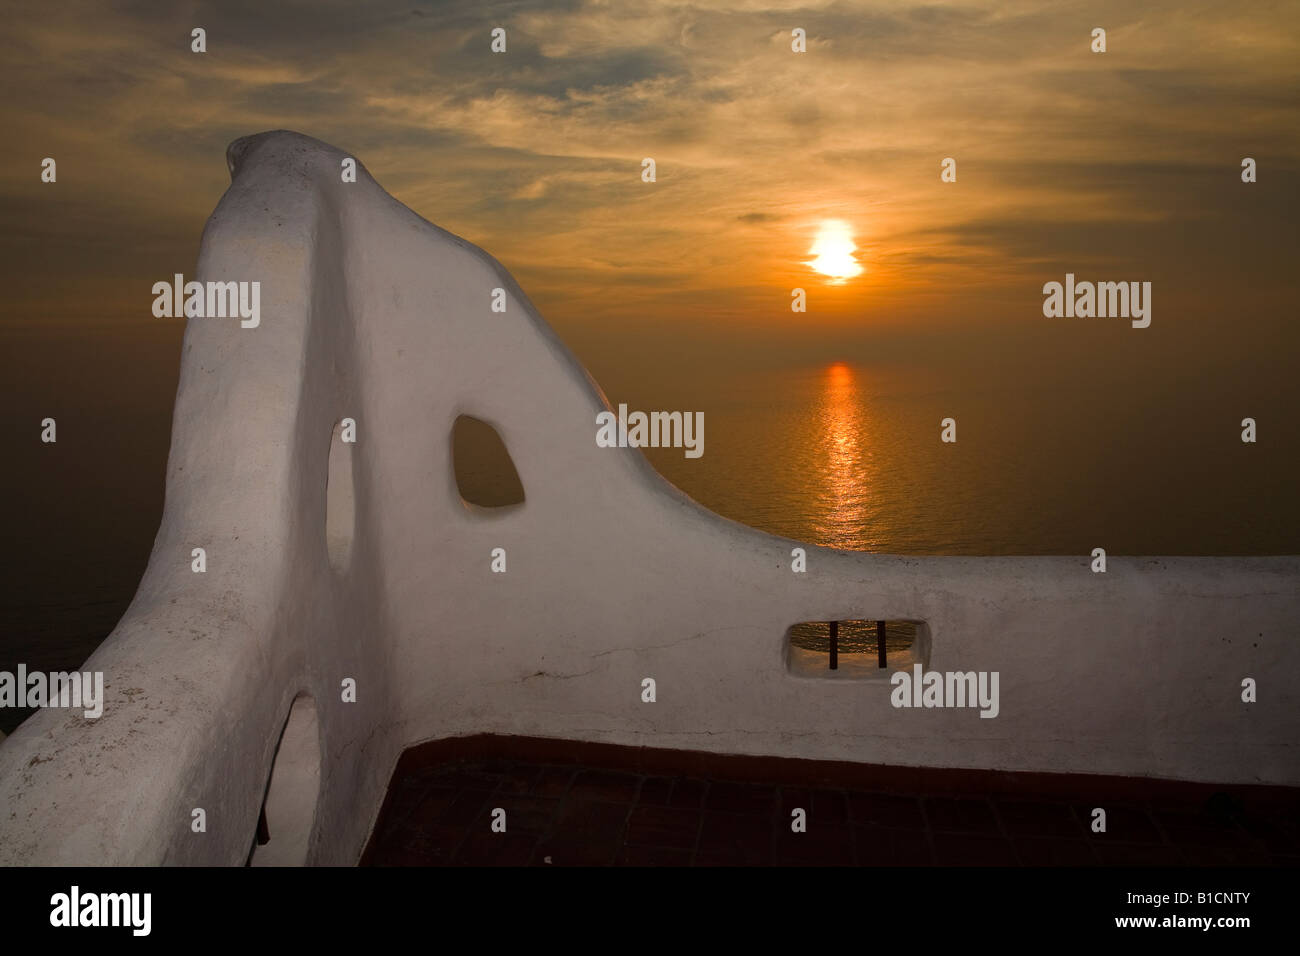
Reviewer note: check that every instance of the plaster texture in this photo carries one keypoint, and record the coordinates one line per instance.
(369, 312)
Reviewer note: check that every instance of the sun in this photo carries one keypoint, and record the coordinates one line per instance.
(833, 251)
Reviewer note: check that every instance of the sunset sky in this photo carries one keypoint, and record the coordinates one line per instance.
(1122, 165)
(822, 425)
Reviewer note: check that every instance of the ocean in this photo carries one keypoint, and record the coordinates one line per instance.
(841, 449)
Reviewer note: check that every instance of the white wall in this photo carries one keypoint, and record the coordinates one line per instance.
(371, 313)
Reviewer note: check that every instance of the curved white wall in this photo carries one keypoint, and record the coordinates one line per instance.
(369, 312)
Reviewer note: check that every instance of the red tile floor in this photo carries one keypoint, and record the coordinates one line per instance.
(580, 815)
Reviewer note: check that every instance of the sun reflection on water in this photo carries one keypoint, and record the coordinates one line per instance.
(848, 469)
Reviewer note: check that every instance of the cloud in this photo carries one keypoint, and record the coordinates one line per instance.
(536, 153)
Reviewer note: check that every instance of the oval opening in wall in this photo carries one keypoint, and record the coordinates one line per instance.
(856, 649)
(485, 473)
(340, 504)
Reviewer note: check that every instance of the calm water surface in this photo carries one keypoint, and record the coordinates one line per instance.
(1049, 460)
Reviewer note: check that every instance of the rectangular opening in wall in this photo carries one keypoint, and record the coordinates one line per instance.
(856, 649)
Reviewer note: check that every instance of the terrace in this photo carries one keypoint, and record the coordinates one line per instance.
(574, 804)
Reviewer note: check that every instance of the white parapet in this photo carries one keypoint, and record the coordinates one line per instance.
(391, 628)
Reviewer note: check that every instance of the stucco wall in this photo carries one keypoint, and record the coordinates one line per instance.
(371, 313)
